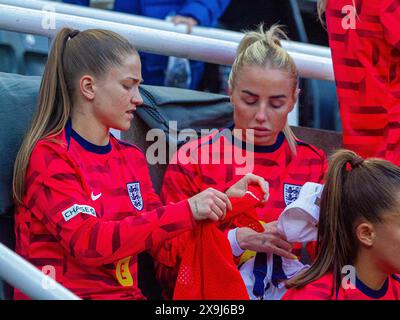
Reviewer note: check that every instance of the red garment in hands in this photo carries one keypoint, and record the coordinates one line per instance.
(207, 270)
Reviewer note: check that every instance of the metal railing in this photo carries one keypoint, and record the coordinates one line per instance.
(22, 275)
(140, 21)
(149, 40)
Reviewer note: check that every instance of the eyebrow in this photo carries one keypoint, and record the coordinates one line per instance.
(134, 79)
(250, 93)
(279, 96)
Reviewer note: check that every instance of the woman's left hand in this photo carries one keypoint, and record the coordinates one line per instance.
(239, 189)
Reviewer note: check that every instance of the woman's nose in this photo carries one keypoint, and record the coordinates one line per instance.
(261, 115)
(137, 99)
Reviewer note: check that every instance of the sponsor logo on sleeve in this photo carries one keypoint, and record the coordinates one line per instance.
(73, 211)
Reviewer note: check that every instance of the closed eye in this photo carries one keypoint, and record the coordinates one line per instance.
(250, 102)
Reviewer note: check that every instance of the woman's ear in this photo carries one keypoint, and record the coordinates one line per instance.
(296, 94)
(86, 87)
(366, 233)
(230, 93)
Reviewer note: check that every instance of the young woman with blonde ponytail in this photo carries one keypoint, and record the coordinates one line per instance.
(358, 248)
(263, 87)
(85, 205)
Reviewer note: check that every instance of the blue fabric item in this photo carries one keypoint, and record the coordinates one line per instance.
(277, 271)
(260, 272)
(206, 12)
(80, 2)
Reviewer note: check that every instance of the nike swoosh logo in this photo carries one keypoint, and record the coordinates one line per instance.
(95, 197)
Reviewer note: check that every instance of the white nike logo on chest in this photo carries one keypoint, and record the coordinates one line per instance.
(95, 197)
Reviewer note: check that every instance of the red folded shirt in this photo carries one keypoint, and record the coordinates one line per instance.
(208, 270)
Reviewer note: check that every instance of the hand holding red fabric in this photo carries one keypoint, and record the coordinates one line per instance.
(207, 270)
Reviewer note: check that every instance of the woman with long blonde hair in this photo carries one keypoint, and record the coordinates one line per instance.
(85, 205)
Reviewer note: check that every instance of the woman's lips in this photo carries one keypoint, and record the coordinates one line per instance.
(261, 132)
(130, 114)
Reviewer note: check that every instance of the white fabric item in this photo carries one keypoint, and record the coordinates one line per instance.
(298, 222)
(236, 249)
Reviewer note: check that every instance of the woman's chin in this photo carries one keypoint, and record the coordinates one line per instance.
(122, 126)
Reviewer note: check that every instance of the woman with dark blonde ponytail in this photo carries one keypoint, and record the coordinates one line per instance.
(358, 234)
(263, 88)
(364, 37)
(85, 205)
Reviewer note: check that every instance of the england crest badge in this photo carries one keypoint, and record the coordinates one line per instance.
(290, 192)
(135, 195)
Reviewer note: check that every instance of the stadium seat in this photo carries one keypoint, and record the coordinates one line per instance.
(23, 53)
(8, 60)
(18, 96)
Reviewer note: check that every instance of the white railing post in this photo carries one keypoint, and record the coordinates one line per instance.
(154, 41)
(35, 284)
(140, 21)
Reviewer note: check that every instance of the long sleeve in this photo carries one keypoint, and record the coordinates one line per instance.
(57, 197)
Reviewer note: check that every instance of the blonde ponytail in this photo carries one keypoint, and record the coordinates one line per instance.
(73, 53)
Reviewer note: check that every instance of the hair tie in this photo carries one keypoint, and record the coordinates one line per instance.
(73, 33)
(351, 164)
(358, 161)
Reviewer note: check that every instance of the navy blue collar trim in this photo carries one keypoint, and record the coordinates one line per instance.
(375, 294)
(83, 142)
(259, 149)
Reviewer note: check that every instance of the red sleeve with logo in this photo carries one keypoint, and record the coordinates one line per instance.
(55, 197)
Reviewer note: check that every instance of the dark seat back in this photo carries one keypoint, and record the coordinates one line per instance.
(17, 101)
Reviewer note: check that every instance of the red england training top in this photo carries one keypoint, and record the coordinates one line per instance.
(366, 59)
(88, 211)
(321, 289)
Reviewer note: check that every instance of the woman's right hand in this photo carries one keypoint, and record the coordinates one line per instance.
(269, 241)
(209, 204)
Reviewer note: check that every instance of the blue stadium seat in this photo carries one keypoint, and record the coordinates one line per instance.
(23, 53)
(17, 100)
(8, 59)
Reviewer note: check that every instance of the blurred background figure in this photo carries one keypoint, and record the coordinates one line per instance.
(364, 38)
(190, 12)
